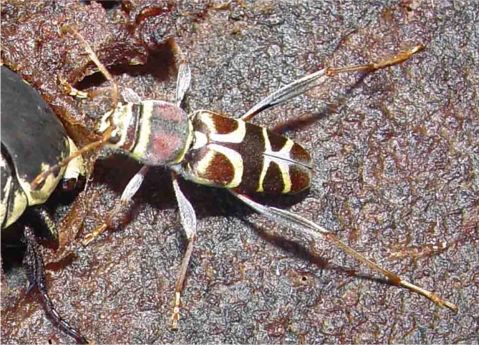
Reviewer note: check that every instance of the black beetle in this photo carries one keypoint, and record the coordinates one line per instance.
(33, 139)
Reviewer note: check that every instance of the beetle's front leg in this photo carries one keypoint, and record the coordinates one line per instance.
(91, 53)
(69, 89)
(183, 79)
(119, 209)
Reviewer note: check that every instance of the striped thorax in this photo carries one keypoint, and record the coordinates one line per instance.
(152, 132)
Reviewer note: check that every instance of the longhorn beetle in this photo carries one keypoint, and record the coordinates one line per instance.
(32, 137)
(219, 151)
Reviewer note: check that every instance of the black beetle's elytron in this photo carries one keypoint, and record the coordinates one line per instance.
(33, 139)
(211, 149)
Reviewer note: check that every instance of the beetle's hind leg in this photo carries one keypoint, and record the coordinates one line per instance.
(33, 263)
(188, 221)
(310, 229)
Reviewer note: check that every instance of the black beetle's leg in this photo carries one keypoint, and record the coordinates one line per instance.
(125, 200)
(47, 220)
(311, 229)
(33, 263)
(302, 85)
(188, 221)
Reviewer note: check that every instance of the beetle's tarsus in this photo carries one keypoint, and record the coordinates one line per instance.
(175, 317)
(94, 234)
(429, 294)
(374, 66)
(114, 90)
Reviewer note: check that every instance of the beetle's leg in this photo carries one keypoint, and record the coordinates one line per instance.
(124, 203)
(33, 263)
(130, 96)
(46, 219)
(303, 84)
(188, 221)
(106, 135)
(96, 61)
(70, 90)
(311, 229)
(183, 79)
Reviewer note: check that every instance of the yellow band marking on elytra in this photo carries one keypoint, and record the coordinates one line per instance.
(266, 162)
(284, 166)
(269, 156)
(203, 164)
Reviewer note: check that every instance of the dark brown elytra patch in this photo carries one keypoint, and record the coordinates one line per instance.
(299, 154)
(224, 125)
(273, 181)
(220, 170)
(300, 178)
(277, 141)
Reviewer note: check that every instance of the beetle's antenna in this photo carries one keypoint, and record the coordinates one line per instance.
(317, 231)
(96, 144)
(97, 62)
(374, 66)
